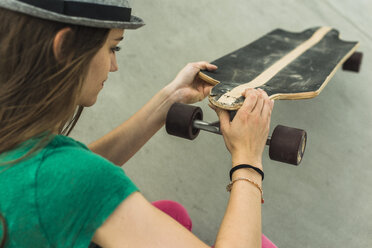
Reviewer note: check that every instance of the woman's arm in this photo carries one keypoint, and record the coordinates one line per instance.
(136, 223)
(123, 142)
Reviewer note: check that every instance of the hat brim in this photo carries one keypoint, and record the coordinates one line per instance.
(134, 23)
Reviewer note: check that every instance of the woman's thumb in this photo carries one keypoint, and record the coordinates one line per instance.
(223, 115)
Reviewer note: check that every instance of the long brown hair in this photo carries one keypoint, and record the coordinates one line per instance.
(38, 93)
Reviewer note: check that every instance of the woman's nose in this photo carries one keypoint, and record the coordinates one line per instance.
(114, 65)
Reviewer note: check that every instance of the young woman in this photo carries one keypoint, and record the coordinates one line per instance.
(55, 57)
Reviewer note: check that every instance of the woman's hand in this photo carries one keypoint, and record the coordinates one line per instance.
(245, 137)
(187, 87)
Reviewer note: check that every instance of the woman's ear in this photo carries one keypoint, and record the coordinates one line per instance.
(60, 37)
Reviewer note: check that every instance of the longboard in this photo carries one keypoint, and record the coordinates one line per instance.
(286, 65)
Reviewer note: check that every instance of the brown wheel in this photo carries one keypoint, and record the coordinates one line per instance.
(287, 145)
(353, 63)
(180, 119)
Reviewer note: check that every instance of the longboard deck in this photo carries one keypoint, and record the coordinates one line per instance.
(286, 65)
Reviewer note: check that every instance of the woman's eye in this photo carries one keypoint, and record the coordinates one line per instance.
(115, 49)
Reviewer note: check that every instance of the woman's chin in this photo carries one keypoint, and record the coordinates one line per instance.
(88, 103)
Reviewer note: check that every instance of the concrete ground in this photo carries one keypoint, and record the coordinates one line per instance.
(326, 201)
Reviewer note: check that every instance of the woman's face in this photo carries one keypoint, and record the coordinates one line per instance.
(102, 63)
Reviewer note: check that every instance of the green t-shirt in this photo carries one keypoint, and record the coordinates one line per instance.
(60, 196)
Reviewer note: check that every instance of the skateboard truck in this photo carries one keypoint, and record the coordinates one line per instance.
(286, 144)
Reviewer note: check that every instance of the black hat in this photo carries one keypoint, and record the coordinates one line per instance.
(93, 13)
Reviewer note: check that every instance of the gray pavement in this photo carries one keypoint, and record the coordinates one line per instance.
(326, 201)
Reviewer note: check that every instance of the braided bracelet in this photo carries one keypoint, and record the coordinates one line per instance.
(241, 166)
(229, 186)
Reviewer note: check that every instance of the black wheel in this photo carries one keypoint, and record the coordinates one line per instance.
(287, 145)
(180, 119)
(353, 63)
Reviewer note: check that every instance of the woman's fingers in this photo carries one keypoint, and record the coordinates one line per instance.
(206, 90)
(260, 103)
(267, 108)
(211, 67)
(224, 117)
(267, 103)
(255, 101)
(246, 135)
(251, 97)
(203, 65)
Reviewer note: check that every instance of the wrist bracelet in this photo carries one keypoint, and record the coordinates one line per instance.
(229, 186)
(241, 166)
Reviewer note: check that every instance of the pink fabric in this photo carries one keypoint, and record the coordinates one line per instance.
(179, 213)
(176, 211)
(266, 243)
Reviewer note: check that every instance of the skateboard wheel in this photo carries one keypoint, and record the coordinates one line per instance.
(353, 63)
(287, 145)
(180, 119)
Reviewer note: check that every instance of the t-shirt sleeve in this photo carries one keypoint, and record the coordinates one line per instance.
(76, 191)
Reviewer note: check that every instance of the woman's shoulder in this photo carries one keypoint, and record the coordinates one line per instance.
(61, 140)
(77, 190)
(53, 143)
(69, 170)
(64, 154)
(62, 149)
